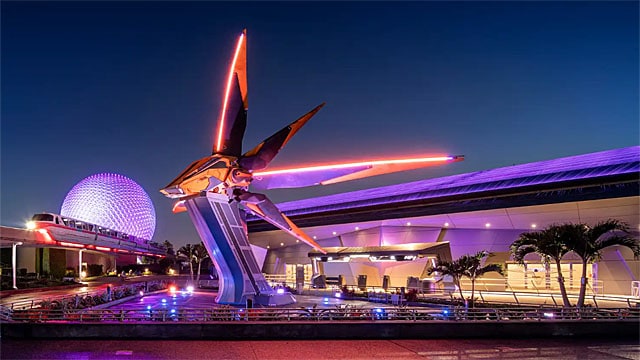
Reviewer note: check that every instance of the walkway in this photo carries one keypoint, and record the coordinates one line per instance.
(551, 349)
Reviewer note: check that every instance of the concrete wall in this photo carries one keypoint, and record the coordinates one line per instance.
(26, 258)
(107, 261)
(617, 269)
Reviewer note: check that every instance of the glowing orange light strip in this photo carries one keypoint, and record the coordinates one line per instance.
(226, 95)
(364, 163)
(70, 244)
(46, 235)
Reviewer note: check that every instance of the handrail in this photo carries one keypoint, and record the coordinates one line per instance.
(35, 303)
(339, 313)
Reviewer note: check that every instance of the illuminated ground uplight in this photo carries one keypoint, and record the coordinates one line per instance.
(197, 299)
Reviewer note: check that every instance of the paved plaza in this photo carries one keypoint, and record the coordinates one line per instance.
(534, 349)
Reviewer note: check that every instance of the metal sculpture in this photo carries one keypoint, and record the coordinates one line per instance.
(212, 190)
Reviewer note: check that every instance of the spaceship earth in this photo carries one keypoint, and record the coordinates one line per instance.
(113, 201)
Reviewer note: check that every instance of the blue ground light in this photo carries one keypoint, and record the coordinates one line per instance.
(206, 299)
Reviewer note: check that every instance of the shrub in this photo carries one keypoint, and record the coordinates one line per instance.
(411, 295)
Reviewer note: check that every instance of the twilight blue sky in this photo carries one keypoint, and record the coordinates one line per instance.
(135, 87)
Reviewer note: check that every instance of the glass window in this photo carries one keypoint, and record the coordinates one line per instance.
(42, 217)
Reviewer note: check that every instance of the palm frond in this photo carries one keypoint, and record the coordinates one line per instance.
(621, 240)
(490, 268)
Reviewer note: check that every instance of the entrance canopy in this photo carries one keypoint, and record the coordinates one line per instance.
(402, 252)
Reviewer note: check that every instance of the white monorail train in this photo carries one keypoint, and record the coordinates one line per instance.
(78, 233)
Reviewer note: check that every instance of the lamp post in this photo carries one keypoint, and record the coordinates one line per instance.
(80, 264)
(14, 261)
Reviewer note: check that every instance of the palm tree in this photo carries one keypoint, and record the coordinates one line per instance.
(450, 268)
(471, 268)
(200, 253)
(588, 242)
(187, 252)
(169, 247)
(466, 265)
(549, 243)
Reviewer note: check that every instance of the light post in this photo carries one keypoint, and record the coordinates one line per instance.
(14, 256)
(80, 264)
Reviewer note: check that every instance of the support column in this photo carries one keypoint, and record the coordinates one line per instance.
(223, 233)
(80, 264)
(14, 261)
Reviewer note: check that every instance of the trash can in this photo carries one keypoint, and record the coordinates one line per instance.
(362, 282)
(386, 282)
(412, 282)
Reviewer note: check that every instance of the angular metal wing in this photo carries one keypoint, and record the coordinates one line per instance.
(259, 157)
(233, 116)
(334, 173)
(264, 208)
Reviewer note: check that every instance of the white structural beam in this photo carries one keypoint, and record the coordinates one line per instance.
(14, 260)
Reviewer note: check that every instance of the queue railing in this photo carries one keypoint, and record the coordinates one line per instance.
(35, 303)
(226, 314)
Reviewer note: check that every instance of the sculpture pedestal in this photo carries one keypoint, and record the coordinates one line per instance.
(224, 234)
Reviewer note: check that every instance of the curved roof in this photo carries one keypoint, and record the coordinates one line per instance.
(592, 168)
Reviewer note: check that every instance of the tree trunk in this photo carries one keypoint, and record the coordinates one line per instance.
(583, 285)
(473, 290)
(191, 270)
(563, 290)
(198, 277)
(457, 282)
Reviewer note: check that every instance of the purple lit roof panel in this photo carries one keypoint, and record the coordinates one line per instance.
(604, 163)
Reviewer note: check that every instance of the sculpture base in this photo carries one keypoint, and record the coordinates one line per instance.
(275, 299)
(223, 232)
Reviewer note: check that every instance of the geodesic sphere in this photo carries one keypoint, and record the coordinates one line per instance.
(113, 201)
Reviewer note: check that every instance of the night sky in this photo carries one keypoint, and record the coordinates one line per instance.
(135, 88)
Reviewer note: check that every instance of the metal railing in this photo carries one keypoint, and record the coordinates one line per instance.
(345, 313)
(35, 303)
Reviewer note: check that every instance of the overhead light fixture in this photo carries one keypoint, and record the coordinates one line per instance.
(282, 244)
(315, 237)
(487, 225)
(408, 223)
(446, 224)
(357, 228)
(533, 226)
(334, 233)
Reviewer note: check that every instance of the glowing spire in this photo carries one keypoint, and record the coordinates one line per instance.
(232, 71)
